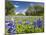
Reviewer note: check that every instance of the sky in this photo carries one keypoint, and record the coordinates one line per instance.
(22, 7)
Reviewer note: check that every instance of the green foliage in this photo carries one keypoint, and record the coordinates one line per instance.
(39, 30)
(27, 28)
(9, 8)
(35, 10)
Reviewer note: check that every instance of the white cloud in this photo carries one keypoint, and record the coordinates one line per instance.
(16, 6)
(22, 11)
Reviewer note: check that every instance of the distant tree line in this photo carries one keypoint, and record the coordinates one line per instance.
(36, 10)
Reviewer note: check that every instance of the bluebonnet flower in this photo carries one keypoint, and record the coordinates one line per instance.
(39, 22)
(6, 21)
(9, 30)
(8, 24)
(27, 22)
(20, 22)
(11, 26)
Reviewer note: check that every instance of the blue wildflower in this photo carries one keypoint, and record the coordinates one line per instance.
(39, 22)
(27, 22)
(10, 26)
(20, 22)
(6, 21)
(9, 30)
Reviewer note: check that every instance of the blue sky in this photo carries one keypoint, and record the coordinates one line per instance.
(23, 6)
(20, 5)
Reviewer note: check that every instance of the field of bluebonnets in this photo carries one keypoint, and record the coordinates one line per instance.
(31, 24)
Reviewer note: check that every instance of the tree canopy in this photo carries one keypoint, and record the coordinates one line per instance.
(9, 8)
(35, 10)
